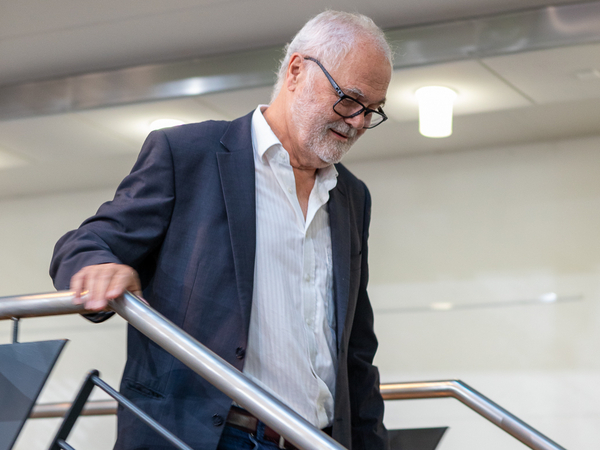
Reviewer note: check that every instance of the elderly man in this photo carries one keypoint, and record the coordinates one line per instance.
(249, 236)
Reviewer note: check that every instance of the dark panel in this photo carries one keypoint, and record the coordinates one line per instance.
(24, 369)
(416, 439)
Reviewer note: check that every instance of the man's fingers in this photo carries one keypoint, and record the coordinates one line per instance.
(121, 281)
(135, 286)
(77, 286)
(104, 282)
(96, 287)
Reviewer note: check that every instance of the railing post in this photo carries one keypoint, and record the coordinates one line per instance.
(15, 334)
(74, 411)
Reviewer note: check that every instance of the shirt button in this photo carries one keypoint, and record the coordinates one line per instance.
(217, 420)
(290, 190)
(240, 352)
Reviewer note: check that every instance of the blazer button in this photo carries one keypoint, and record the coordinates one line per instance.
(217, 420)
(240, 352)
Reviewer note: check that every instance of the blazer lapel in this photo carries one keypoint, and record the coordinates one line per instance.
(236, 168)
(339, 220)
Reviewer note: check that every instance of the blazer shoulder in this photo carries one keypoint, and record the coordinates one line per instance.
(211, 135)
(191, 133)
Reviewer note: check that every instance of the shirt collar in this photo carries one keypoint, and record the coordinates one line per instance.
(263, 137)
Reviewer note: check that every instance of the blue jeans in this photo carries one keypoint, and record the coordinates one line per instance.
(234, 439)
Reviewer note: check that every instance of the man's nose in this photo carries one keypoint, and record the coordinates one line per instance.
(357, 122)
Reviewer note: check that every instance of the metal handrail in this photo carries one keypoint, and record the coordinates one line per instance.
(239, 388)
(474, 400)
(91, 408)
(390, 391)
(188, 350)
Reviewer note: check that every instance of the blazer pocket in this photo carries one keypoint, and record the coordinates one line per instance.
(137, 389)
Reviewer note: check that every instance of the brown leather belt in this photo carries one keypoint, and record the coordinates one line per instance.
(243, 420)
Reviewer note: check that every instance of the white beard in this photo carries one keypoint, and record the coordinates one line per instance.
(313, 130)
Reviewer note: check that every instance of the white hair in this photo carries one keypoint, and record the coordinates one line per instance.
(329, 37)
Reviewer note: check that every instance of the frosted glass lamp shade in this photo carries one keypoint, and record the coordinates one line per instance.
(435, 110)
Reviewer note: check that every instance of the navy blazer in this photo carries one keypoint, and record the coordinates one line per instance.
(185, 219)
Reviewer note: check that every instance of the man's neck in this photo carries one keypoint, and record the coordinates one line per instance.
(305, 165)
(277, 116)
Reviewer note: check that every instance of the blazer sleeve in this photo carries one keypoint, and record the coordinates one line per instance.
(368, 431)
(131, 226)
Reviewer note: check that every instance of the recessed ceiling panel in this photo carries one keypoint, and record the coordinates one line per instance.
(555, 75)
(8, 160)
(32, 17)
(479, 90)
(65, 37)
(66, 176)
(237, 103)
(62, 136)
(132, 122)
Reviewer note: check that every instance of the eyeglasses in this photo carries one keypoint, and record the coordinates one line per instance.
(348, 107)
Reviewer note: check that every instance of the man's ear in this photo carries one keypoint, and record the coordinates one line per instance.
(295, 72)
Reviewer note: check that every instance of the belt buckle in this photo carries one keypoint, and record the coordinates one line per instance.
(281, 442)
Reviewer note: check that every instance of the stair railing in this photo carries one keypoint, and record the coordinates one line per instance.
(197, 357)
(474, 400)
(240, 389)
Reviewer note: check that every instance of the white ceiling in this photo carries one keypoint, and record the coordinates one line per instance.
(527, 97)
(63, 37)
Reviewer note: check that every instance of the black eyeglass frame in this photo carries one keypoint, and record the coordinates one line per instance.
(343, 96)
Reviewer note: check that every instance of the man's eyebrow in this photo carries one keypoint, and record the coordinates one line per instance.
(354, 90)
(359, 93)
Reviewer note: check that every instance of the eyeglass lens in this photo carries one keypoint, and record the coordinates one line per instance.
(347, 107)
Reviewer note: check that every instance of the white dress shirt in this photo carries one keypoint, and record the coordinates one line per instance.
(291, 343)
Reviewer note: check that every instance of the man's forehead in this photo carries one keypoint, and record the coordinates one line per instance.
(365, 75)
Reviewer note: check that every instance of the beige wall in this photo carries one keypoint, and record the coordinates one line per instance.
(490, 231)
(481, 230)
(29, 227)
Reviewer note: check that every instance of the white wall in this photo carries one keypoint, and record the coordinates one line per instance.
(488, 231)
(29, 227)
(484, 231)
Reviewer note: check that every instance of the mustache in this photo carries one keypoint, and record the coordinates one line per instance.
(343, 128)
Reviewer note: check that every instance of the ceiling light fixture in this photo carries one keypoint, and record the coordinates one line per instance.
(435, 110)
(165, 123)
(441, 306)
(548, 297)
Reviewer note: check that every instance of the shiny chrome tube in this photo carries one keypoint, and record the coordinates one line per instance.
(50, 304)
(474, 400)
(231, 382)
(201, 360)
(391, 391)
(221, 375)
(91, 408)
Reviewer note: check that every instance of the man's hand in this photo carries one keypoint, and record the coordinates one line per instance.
(104, 282)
